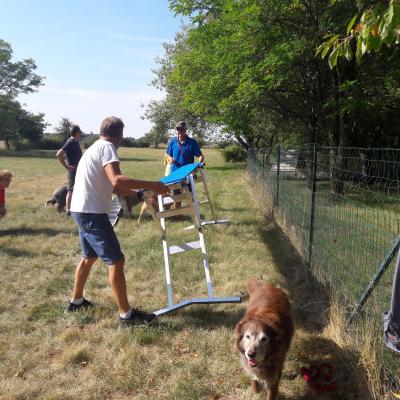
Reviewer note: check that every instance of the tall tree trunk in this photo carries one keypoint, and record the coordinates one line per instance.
(242, 142)
(7, 144)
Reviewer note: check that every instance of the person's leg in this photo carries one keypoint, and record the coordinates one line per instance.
(68, 201)
(81, 274)
(116, 276)
(395, 304)
(71, 184)
(391, 318)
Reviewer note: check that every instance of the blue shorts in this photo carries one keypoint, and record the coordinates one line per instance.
(97, 237)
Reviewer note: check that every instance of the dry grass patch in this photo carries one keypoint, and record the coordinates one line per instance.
(189, 354)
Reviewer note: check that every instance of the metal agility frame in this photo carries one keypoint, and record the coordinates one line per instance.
(189, 197)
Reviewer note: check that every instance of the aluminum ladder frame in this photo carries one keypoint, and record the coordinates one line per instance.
(192, 209)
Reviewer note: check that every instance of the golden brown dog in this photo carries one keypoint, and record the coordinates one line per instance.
(264, 336)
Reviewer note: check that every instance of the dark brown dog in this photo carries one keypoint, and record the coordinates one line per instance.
(264, 336)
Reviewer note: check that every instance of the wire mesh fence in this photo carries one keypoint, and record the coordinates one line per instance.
(341, 209)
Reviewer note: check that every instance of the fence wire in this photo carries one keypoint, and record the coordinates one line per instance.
(341, 208)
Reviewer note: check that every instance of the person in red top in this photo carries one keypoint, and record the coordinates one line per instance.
(5, 180)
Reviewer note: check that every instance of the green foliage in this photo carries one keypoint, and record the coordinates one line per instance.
(50, 142)
(17, 78)
(63, 128)
(142, 142)
(249, 69)
(234, 153)
(376, 24)
(88, 139)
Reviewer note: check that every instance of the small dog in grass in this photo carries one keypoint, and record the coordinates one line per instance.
(127, 203)
(264, 335)
(58, 199)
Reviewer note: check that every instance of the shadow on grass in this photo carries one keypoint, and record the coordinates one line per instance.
(310, 300)
(9, 251)
(311, 308)
(25, 231)
(319, 351)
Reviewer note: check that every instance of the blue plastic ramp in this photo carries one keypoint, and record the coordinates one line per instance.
(180, 174)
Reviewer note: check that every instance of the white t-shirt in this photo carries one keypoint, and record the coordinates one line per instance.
(93, 190)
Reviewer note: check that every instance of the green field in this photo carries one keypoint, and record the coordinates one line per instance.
(189, 354)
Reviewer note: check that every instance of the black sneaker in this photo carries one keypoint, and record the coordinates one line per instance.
(137, 318)
(71, 307)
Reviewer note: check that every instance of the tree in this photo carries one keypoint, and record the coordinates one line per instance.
(30, 126)
(9, 111)
(376, 23)
(64, 128)
(18, 77)
(249, 67)
(15, 78)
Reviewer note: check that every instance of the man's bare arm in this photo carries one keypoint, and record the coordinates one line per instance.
(122, 185)
(60, 155)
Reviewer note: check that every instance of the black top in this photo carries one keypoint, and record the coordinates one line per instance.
(73, 151)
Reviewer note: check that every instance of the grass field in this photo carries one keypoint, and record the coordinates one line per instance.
(189, 354)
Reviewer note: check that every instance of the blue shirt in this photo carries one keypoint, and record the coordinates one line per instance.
(190, 150)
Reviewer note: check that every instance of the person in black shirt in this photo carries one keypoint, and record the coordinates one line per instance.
(69, 156)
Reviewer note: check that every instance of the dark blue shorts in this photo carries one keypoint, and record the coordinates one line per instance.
(97, 237)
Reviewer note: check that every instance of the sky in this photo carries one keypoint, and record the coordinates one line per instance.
(96, 55)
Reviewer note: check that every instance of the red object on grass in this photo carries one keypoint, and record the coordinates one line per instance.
(2, 196)
(320, 378)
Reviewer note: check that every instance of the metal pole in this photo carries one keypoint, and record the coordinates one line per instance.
(312, 217)
(278, 167)
(374, 281)
(263, 164)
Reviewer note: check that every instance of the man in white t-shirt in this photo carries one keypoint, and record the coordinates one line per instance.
(98, 176)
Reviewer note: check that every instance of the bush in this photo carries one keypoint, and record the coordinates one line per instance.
(234, 153)
(88, 139)
(50, 143)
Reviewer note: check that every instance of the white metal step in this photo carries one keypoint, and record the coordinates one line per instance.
(184, 247)
(212, 222)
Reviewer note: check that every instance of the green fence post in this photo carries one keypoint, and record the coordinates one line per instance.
(312, 217)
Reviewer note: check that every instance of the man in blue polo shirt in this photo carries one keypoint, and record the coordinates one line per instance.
(182, 148)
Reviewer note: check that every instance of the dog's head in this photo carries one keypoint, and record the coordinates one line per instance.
(256, 340)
